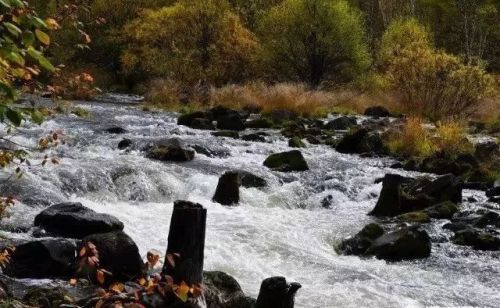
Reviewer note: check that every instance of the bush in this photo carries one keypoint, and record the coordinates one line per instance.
(431, 82)
(194, 42)
(451, 138)
(412, 140)
(310, 41)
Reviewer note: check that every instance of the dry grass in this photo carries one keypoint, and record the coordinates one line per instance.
(412, 140)
(451, 137)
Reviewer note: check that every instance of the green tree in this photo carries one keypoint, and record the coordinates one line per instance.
(197, 41)
(314, 40)
(431, 82)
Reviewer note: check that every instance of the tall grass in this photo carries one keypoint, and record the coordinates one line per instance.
(412, 140)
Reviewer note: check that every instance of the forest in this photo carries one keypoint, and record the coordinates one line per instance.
(210, 153)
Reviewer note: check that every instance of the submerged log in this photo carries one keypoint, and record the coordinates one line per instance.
(275, 292)
(186, 243)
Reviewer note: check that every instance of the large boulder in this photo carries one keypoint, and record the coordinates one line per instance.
(342, 123)
(228, 189)
(75, 221)
(50, 258)
(443, 210)
(287, 161)
(477, 239)
(361, 141)
(403, 244)
(223, 291)
(359, 244)
(194, 119)
(118, 254)
(251, 180)
(377, 111)
(228, 119)
(170, 150)
(401, 195)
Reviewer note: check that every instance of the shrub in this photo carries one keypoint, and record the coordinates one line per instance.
(412, 140)
(431, 82)
(194, 42)
(310, 41)
(451, 138)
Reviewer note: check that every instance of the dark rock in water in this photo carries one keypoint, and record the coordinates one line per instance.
(361, 141)
(296, 142)
(397, 165)
(404, 244)
(211, 151)
(50, 258)
(359, 244)
(190, 119)
(203, 124)
(259, 123)
(125, 143)
(476, 239)
(118, 254)
(228, 189)
(277, 292)
(116, 130)
(170, 150)
(313, 139)
(487, 150)
(326, 203)
(228, 119)
(287, 161)
(251, 180)
(293, 129)
(495, 191)
(342, 123)
(403, 195)
(415, 217)
(75, 221)
(223, 291)
(254, 137)
(443, 210)
(377, 111)
(47, 297)
(226, 133)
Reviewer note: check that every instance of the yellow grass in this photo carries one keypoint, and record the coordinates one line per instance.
(412, 140)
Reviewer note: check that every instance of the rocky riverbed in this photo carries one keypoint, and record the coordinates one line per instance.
(292, 214)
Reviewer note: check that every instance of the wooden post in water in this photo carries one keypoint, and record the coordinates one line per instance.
(275, 292)
(186, 243)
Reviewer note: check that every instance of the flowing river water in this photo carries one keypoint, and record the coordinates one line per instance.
(279, 230)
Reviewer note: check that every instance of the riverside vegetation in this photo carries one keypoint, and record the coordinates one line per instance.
(413, 84)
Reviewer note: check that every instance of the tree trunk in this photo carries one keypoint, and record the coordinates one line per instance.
(275, 292)
(186, 243)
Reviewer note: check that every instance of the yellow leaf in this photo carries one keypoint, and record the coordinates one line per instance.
(182, 291)
(100, 277)
(72, 281)
(142, 281)
(83, 251)
(42, 37)
(117, 287)
(52, 24)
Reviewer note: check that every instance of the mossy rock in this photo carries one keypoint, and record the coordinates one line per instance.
(443, 210)
(417, 217)
(477, 239)
(47, 297)
(372, 231)
(296, 142)
(287, 161)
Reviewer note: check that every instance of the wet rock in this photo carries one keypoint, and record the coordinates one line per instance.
(202, 124)
(118, 254)
(401, 195)
(228, 189)
(342, 123)
(249, 180)
(226, 133)
(193, 118)
(75, 221)
(443, 210)
(223, 291)
(116, 130)
(211, 151)
(254, 137)
(406, 243)
(293, 129)
(313, 139)
(415, 217)
(361, 141)
(287, 161)
(492, 192)
(296, 142)
(377, 111)
(282, 116)
(277, 292)
(476, 239)
(50, 258)
(259, 123)
(359, 244)
(326, 202)
(124, 143)
(170, 150)
(486, 151)
(228, 119)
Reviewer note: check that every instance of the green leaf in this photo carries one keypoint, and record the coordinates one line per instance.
(39, 23)
(42, 37)
(37, 117)
(28, 38)
(13, 29)
(37, 55)
(5, 4)
(16, 3)
(14, 116)
(15, 57)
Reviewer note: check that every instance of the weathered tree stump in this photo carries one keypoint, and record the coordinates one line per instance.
(186, 243)
(275, 292)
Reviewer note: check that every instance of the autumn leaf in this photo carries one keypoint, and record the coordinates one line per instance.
(100, 277)
(182, 291)
(142, 281)
(43, 37)
(117, 287)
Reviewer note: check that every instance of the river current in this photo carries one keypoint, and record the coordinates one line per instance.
(279, 230)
